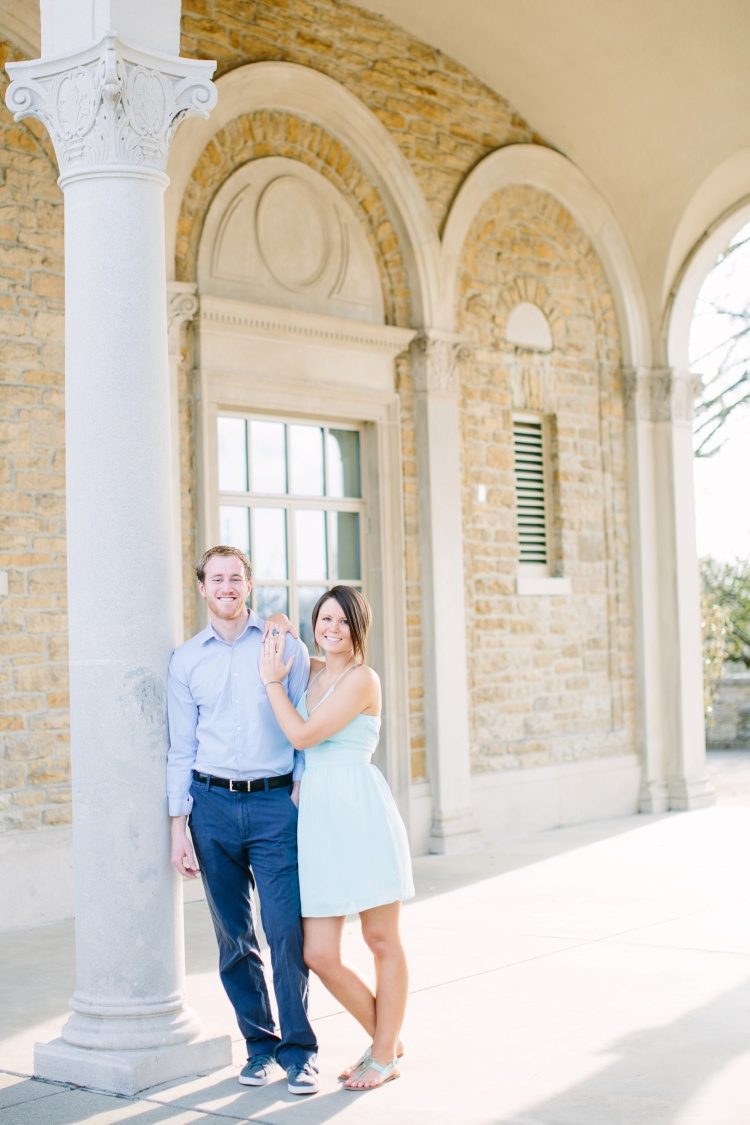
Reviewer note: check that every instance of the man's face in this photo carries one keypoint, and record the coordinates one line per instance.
(225, 587)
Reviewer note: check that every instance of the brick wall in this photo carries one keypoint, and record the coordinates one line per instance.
(34, 725)
(550, 677)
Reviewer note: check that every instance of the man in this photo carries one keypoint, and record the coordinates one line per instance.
(234, 775)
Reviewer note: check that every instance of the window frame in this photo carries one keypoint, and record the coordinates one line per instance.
(534, 578)
(292, 502)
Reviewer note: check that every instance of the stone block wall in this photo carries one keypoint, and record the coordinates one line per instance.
(550, 676)
(444, 121)
(729, 725)
(34, 721)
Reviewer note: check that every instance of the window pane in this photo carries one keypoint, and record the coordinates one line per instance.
(269, 543)
(234, 528)
(232, 439)
(344, 545)
(268, 457)
(306, 460)
(307, 596)
(272, 599)
(310, 528)
(342, 450)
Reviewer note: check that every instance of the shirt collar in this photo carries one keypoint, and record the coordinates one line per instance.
(253, 622)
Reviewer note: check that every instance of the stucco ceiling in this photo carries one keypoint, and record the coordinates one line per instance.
(647, 97)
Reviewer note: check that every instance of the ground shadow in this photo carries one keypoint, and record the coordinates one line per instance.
(654, 1074)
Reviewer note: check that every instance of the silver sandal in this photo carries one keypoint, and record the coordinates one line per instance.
(389, 1072)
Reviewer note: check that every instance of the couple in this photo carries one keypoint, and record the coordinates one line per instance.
(237, 773)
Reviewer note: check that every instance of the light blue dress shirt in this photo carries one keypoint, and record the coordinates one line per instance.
(220, 718)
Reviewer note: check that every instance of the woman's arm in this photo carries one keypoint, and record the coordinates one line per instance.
(358, 692)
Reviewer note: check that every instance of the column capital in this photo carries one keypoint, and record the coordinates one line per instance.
(111, 109)
(181, 304)
(435, 358)
(659, 394)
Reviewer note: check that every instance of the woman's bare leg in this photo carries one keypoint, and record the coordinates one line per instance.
(322, 953)
(380, 929)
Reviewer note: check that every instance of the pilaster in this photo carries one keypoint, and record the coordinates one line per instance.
(111, 110)
(182, 307)
(659, 415)
(435, 357)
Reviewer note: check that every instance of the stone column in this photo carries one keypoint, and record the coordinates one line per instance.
(111, 111)
(182, 305)
(435, 356)
(659, 417)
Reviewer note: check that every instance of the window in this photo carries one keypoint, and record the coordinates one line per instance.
(531, 465)
(290, 497)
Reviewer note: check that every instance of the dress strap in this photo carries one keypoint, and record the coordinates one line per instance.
(333, 685)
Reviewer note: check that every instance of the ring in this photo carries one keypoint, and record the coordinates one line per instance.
(274, 632)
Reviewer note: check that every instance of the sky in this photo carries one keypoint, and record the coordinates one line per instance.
(722, 495)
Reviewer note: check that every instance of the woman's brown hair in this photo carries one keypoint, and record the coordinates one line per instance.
(358, 614)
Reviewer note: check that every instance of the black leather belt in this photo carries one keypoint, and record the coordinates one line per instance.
(239, 786)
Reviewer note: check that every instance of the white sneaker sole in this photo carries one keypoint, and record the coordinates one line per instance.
(253, 1081)
(301, 1089)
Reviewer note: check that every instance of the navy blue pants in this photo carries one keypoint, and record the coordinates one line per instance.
(238, 838)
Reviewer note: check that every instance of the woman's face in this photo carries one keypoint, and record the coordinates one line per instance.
(332, 629)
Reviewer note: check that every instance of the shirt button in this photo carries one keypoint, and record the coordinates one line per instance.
(234, 675)
(238, 728)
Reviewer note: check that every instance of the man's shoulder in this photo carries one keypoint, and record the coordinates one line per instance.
(190, 650)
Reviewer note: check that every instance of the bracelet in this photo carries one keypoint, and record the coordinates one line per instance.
(269, 682)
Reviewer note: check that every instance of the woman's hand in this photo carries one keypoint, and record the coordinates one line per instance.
(295, 792)
(279, 624)
(272, 666)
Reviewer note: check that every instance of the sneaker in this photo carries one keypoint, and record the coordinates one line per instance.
(302, 1079)
(257, 1070)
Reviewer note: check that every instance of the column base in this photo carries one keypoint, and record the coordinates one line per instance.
(128, 1072)
(685, 795)
(455, 833)
(653, 798)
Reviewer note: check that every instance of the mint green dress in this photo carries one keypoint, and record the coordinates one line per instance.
(353, 849)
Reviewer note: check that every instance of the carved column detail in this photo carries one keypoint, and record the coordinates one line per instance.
(111, 106)
(435, 357)
(659, 395)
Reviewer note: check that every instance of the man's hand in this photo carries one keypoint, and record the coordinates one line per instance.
(183, 856)
(277, 625)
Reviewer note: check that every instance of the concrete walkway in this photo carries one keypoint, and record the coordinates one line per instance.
(596, 975)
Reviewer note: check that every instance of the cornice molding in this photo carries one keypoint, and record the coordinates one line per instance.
(260, 320)
(112, 108)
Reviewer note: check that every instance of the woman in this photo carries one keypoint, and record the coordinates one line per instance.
(353, 851)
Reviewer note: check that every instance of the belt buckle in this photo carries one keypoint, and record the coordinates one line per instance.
(232, 781)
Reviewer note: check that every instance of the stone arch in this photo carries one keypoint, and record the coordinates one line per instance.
(269, 132)
(683, 294)
(553, 173)
(294, 91)
(524, 245)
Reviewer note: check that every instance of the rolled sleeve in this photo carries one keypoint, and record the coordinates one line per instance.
(183, 744)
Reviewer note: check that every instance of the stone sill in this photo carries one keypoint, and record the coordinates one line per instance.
(542, 586)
